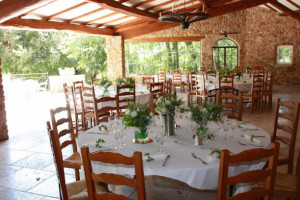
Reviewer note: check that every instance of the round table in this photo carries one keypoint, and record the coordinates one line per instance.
(181, 165)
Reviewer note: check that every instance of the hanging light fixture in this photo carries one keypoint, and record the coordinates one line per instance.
(183, 18)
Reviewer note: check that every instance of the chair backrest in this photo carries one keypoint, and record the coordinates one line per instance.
(210, 73)
(258, 81)
(69, 94)
(168, 86)
(148, 80)
(268, 174)
(233, 103)
(88, 95)
(286, 123)
(203, 69)
(109, 104)
(226, 84)
(298, 177)
(176, 73)
(268, 82)
(78, 84)
(155, 89)
(193, 78)
(95, 81)
(161, 75)
(125, 93)
(113, 158)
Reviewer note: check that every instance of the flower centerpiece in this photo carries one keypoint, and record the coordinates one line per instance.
(166, 107)
(105, 83)
(248, 69)
(125, 81)
(209, 111)
(239, 74)
(138, 115)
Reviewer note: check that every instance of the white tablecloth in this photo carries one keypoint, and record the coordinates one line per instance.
(181, 165)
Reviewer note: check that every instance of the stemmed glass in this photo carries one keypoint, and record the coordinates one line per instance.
(213, 136)
(118, 134)
(111, 123)
(162, 140)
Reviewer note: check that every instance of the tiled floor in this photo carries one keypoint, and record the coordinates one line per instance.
(26, 164)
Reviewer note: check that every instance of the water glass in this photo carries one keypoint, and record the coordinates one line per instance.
(118, 136)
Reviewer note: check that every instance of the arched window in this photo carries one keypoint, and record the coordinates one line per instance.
(225, 53)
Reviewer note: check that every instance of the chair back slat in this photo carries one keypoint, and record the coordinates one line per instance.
(108, 106)
(211, 73)
(226, 84)
(233, 103)
(252, 155)
(114, 179)
(66, 143)
(257, 84)
(78, 84)
(135, 161)
(161, 75)
(124, 95)
(286, 120)
(64, 132)
(148, 80)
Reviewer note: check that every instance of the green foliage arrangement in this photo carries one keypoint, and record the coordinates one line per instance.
(167, 105)
(209, 111)
(125, 81)
(249, 68)
(104, 82)
(225, 71)
(238, 73)
(137, 115)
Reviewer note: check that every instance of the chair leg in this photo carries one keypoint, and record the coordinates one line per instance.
(261, 105)
(77, 174)
(251, 106)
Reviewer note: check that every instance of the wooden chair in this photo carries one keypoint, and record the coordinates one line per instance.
(168, 85)
(109, 178)
(193, 94)
(104, 111)
(268, 90)
(203, 70)
(88, 96)
(232, 102)
(210, 73)
(286, 123)
(268, 174)
(95, 81)
(148, 80)
(207, 94)
(256, 92)
(78, 84)
(124, 95)
(155, 89)
(61, 128)
(226, 84)
(218, 68)
(79, 110)
(161, 75)
(73, 190)
(177, 79)
(288, 185)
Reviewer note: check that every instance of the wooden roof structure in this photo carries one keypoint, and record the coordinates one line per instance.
(128, 18)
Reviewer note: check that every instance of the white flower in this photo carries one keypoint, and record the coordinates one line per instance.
(138, 110)
(151, 114)
(204, 110)
(134, 114)
(189, 115)
(128, 112)
(168, 102)
(164, 110)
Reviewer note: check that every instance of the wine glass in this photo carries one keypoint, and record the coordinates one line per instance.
(111, 123)
(157, 140)
(162, 140)
(118, 136)
(123, 136)
(213, 136)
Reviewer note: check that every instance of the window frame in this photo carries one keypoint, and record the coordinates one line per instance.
(277, 55)
(225, 48)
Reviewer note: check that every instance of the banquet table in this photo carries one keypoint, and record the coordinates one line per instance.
(180, 165)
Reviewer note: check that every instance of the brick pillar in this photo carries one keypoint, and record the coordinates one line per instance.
(3, 126)
(115, 57)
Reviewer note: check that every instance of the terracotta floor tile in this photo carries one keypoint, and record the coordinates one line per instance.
(24, 179)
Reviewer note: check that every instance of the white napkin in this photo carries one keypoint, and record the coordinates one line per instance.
(155, 156)
(255, 140)
(212, 157)
(248, 126)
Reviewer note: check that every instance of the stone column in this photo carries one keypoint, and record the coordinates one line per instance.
(115, 57)
(3, 126)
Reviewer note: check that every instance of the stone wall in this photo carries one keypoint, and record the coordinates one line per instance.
(3, 126)
(259, 31)
(115, 57)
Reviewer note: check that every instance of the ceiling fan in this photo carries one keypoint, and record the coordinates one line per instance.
(228, 33)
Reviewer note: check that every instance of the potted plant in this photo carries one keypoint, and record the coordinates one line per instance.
(138, 115)
(238, 73)
(166, 107)
(248, 69)
(105, 83)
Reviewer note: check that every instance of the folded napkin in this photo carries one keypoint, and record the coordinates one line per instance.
(214, 155)
(247, 126)
(104, 146)
(155, 156)
(252, 138)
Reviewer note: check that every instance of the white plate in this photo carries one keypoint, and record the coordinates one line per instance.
(248, 126)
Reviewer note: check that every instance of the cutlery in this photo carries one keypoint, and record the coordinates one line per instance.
(254, 144)
(255, 136)
(196, 157)
(166, 159)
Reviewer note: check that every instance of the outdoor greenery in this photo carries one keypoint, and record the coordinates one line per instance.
(146, 58)
(25, 52)
(284, 54)
(225, 53)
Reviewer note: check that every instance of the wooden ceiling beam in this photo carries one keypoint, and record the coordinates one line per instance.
(149, 28)
(294, 4)
(28, 13)
(220, 3)
(166, 39)
(142, 3)
(270, 7)
(161, 5)
(128, 23)
(85, 14)
(236, 6)
(176, 6)
(142, 23)
(64, 11)
(50, 25)
(118, 7)
(286, 10)
(14, 8)
(102, 17)
(113, 21)
(205, 3)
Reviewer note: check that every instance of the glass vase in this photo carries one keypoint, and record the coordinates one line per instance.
(105, 91)
(168, 123)
(141, 136)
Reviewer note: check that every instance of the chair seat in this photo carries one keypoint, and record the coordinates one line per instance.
(73, 161)
(77, 190)
(249, 96)
(90, 115)
(285, 182)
